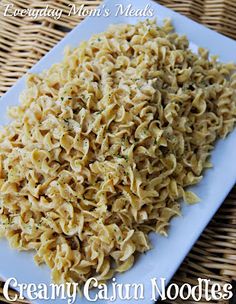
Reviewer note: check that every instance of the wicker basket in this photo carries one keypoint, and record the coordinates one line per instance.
(24, 41)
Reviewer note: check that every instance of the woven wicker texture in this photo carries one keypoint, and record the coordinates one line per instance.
(24, 41)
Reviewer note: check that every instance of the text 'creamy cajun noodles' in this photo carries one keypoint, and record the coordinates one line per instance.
(103, 144)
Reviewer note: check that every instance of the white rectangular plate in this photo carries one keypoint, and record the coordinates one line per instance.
(167, 253)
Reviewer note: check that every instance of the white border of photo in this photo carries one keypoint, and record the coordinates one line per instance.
(165, 257)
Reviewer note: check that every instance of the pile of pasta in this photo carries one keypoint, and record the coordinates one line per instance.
(103, 145)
